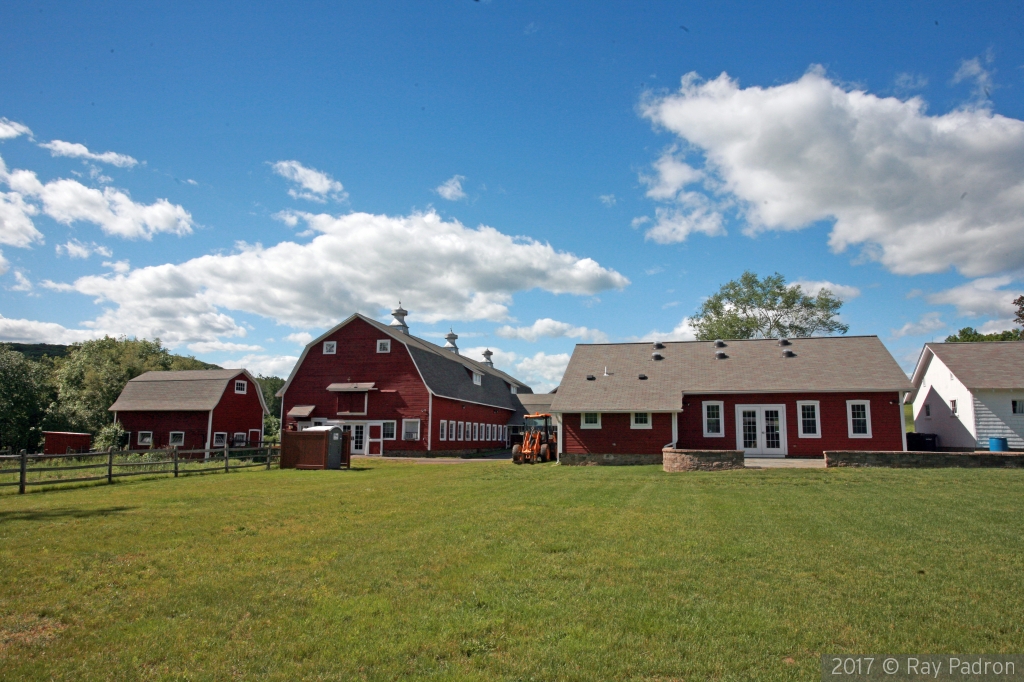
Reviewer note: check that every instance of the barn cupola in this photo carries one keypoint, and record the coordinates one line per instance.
(487, 358)
(450, 342)
(398, 324)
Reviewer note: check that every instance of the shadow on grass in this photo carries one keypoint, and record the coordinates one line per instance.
(51, 514)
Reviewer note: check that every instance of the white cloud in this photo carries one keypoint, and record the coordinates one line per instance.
(76, 249)
(674, 225)
(120, 266)
(300, 338)
(313, 184)
(4, 264)
(608, 199)
(33, 331)
(191, 181)
(542, 372)
(221, 346)
(16, 226)
(672, 175)
(919, 193)
(439, 270)
(267, 365)
(981, 297)
(993, 326)
(502, 359)
(546, 327)
(23, 282)
(80, 151)
(928, 324)
(11, 129)
(683, 332)
(908, 81)
(972, 70)
(451, 189)
(843, 291)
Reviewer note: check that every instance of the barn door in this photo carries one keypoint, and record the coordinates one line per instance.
(375, 439)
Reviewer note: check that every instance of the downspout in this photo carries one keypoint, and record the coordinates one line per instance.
(903, 419)
(209, 432)
(675, 430)
(430, 417)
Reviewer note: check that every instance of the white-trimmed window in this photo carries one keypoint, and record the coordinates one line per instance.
(241, 386)
(238, 439)
(255, 437)
(478, 378)
(145, 437)
(714, 425)
(442, 431)
(451, 430)
(504, 433)
(476, 431)
(330, 347)
(491, 431)
(858, 418)
(387, 430)
(177, 438)
(410, 429)
(220, 439)
(640, 420)
(808, 418)
(1017, 406)
(952, 406)
(383, 345)
(590, 420)
(513, 388)
(461, 425)
(927, 410)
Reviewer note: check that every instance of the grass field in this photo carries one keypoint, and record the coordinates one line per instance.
(492, 571)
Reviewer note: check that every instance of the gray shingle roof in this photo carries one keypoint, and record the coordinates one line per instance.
(194, 389)
(845, 363)
(982, 365)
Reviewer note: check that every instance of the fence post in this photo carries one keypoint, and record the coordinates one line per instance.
(174, 453)
(226, 469)
(110, 465)
(268, 450)
(24, 472)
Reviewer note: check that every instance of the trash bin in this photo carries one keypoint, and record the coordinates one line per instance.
(998, 444)
(922, 442)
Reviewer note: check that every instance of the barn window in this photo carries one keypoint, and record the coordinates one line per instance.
(476, 431)
(461, 424)
(451, 430)
(1017, 406)
(641, 420)
(927, 410)
(410, 429)
(238, 439)
(330, 347)
(255, 436)
(241, 386)
(387, 430)
(489, 434)
(858, 418)
(145, 437)
(384, 345)
(478, 378)
(177, 438)
(219, 440)
(591, 420)
(809, 418)
(442, 432)
(952, 406)
(713, 410)
(514, 389)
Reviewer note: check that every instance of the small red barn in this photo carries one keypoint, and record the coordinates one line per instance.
(62, 442)
(397, 394)
(191, 409)
(622, 403)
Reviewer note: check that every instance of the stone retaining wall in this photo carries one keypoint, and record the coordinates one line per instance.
(702, 460)
(577, 459)
(924, 460)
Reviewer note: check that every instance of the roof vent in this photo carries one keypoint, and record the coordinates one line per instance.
(719, 343)
(642, 377)
(591, 377)
(784, 341)
(788, 354)
(720, 355)
(656, 356)
(658, 345)
(398, 324)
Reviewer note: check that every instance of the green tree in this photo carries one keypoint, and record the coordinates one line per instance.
(271, 429)
(970, 334)
(750, 307)
(23, 398)
(270, 386)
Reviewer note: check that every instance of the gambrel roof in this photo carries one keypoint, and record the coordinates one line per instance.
(817, 364)
(445, 373)
(979, 366)
(185, 390)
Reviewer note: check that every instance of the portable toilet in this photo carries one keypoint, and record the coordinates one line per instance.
(337, 454)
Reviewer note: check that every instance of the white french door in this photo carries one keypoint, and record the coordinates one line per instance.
(761, 430)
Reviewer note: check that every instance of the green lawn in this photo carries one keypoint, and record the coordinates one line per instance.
(492, 571)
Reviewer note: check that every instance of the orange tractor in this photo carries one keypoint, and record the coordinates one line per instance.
(540, 441)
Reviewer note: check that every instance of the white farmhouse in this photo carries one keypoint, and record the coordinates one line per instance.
(969, 392)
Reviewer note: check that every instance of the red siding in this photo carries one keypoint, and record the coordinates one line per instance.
(58, 442)
(446, 409)
(237, 411)
(886, 422)
(162, 423)
(615, 435)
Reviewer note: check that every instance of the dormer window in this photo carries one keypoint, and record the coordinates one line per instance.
(515, 389)
(384, 345)
(478, 378)
(330, 347)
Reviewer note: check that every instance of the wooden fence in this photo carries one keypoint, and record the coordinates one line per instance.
(113, 464)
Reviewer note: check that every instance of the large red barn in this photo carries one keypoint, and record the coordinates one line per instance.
(622, 403)
(397, 394)
(191, 409)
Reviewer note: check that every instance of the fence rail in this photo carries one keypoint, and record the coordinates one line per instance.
(41, 470)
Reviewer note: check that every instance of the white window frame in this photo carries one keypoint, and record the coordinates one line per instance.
(145, 438)
(383, 345)
(585, 425)
(405, 430)
(476, 431)
(816, 404)
(478, 379)
(634, 425)
(513, 388)
(721, 418)
(171, 439)
(451, 430)
(241, 384)
(330, 347)
(849, 418)
(442, 432)
(394, 430)
(927, 410)
(220, 439)
(259, 436)
(235, 439)
(1017, 407)
(953, 407)
(491, 432)
(461, 426)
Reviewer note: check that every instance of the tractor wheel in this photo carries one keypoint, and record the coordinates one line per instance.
(545, 453)
(517, 453)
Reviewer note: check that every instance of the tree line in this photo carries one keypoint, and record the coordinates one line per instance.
(70, 388)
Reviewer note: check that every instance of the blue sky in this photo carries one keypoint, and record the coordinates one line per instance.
(530, 174)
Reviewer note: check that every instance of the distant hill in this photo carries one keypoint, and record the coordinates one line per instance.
(35, 351)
